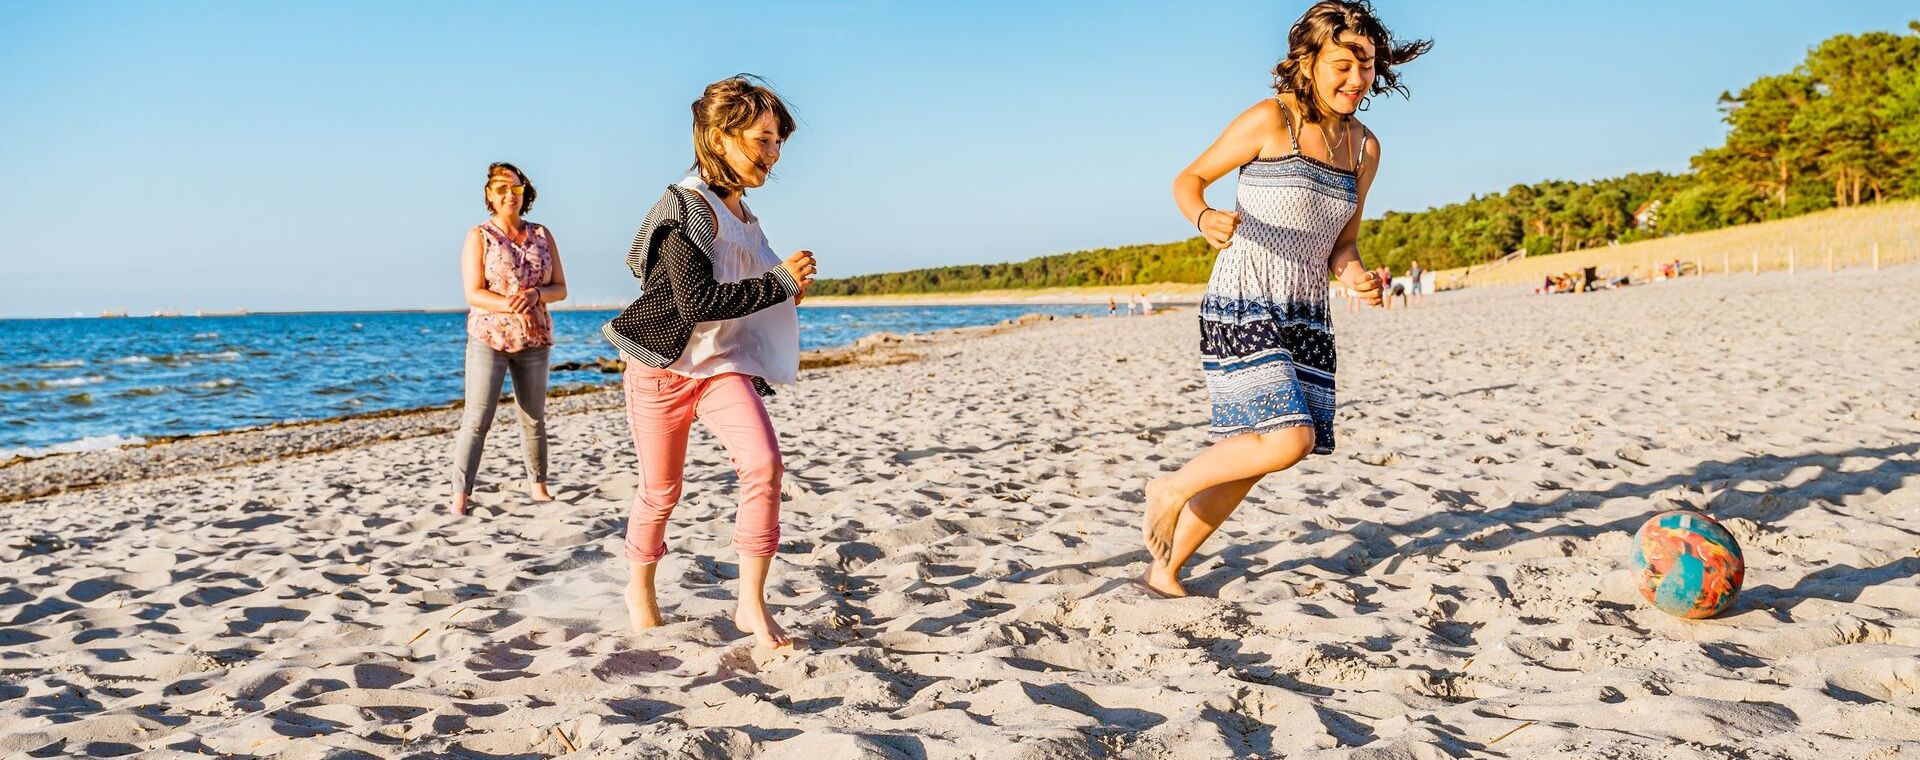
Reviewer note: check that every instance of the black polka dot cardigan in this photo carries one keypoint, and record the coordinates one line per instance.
(672, 257)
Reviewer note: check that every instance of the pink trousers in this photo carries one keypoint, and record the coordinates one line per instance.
(661, 408)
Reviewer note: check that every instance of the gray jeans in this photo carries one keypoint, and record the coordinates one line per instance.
(486, 368)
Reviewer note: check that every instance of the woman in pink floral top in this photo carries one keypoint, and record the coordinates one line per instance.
(510, 269)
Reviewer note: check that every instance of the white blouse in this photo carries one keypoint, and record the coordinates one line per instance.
(764, 344)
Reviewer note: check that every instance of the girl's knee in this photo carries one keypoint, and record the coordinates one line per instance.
(657, 502)
(760, 466)
(1289, 445)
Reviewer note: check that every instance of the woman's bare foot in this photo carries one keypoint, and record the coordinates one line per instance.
(538, 492)
(459, 506)
(1162, 580)
(643, 611)
(1163, 514)
(755, 617)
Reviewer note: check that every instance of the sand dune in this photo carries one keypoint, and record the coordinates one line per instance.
(961, 535)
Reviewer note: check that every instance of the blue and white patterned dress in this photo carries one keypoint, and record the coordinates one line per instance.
(1266, 339)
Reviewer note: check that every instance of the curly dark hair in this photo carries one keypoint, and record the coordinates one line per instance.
(1322, 25)
(526, 201)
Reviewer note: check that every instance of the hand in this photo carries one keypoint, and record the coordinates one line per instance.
(1361, 281)
(802, 295)
(524, 301)
(1217, 226)
(802, 267)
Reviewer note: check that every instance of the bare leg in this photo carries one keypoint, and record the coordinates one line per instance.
(1203, 515)
(643, 610)
(1250, 455)
(752, 614)
(537, 491)
(459, 502)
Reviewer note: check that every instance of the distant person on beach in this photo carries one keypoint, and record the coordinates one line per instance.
(1388, 286)
(1113, 307)
(1266, 339)
(1146, 304)
(510, 270)
(1414, 276)
(714, 327)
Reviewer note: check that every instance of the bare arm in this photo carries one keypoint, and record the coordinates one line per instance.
(1344, 262)
(473, 277)
(555, 288)
(1346, 248)
(1242, 141)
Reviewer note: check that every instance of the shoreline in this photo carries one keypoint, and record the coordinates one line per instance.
(23, 478)
(1162, 293)
(1173, 292)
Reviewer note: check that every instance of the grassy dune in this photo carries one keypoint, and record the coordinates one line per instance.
(1846, 235)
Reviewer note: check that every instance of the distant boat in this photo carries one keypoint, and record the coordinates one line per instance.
(111, 314)
(166, 313)
(219, 313)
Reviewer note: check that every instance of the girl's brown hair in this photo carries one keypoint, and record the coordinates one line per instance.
(1322, 25)
(728, 107)
(526, 201)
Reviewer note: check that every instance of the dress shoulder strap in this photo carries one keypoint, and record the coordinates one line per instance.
(1286, 115)
(1360, 155)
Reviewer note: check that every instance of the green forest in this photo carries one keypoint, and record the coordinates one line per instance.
(1841, 129)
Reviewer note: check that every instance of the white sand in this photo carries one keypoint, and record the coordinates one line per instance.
(960, 540)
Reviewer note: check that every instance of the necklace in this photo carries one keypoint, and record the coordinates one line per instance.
(1332, 145)
(519, 239)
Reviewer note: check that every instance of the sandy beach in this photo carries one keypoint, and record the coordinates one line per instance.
(961, 539)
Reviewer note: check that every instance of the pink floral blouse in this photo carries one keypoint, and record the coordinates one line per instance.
(510, 268)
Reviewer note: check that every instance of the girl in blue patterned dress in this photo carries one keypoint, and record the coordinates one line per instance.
(1266, 338)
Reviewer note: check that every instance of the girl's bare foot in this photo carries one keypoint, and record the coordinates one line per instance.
(459, 506)
(1163, 514)
(754, 616)
(538, 492)
(643, 611)
(1163, 581)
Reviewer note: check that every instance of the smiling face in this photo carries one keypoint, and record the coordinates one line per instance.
(506, 193)
(1343, 72)
(752, 152)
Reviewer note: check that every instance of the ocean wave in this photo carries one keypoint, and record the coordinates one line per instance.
(89, 443)
(79, 399)
(59, 364)
(71, 382)
(225, 382)
(174, 360)
(144, 391)
(206, 336)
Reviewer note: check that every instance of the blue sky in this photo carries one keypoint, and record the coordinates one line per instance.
(329, 156)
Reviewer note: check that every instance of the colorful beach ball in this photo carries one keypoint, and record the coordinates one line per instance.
(1687, 564)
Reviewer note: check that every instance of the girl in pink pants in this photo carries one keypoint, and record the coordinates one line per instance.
(714, 328)
(661, 408)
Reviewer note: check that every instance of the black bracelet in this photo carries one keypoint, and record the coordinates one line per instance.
(1197, 218)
